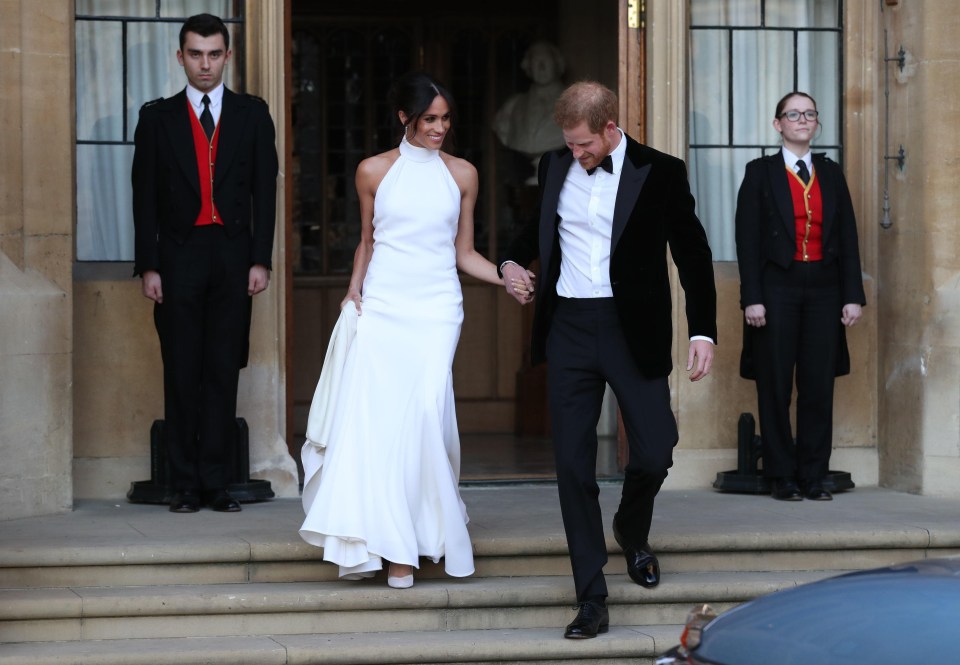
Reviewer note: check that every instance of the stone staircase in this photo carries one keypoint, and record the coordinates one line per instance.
(251, 592)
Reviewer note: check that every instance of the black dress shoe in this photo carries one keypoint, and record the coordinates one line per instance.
(185, 502)
(814, 491)
(592, 618)
(643, 567)
(222, 502)
(785, 489)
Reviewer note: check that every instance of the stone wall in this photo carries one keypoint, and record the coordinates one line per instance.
(919, 380)
(36, 249)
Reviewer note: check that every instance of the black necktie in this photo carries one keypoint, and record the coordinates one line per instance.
(802, 171)
(606, 164)
(206, 118)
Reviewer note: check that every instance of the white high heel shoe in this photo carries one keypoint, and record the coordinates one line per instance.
(404, 582)
(397, 582)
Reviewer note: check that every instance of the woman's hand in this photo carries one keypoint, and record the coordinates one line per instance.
(352, 297)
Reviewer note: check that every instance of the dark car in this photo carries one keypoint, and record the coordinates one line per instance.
(899, 615)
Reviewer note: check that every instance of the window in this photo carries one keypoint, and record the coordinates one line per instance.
(125, 56)
(744, 56)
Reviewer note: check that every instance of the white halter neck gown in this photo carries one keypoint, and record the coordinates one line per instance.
(385, 484)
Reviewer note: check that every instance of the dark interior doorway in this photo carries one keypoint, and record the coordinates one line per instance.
(344, 59)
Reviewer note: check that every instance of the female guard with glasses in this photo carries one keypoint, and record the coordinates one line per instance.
(800, 286)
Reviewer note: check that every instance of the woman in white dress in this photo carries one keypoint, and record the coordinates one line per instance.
(382, 458)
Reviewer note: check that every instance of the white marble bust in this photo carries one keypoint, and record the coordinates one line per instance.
(525, 121)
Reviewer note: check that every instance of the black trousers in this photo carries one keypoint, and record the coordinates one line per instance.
(802, 334)
(203, 328)
(586, 349)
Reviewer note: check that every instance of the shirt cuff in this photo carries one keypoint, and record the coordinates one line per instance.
(704, 338)
(500, 267)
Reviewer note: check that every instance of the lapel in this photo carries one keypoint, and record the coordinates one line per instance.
(233, 117)
(556, 175)
(634, 174)
(777, 176)
(177, 126)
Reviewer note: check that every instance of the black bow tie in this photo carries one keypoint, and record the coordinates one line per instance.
(606, 164)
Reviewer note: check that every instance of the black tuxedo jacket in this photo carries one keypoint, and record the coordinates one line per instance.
(654, 209)
(766, 226)
(166, 181)
(766, 232)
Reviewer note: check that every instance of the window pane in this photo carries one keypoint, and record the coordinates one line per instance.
(817, 67)
(715, 176)
(104, 203)
(116, 8)
(185, 8)
(763, 73)
(803, 13)
(732, 12)
(709, 83)
(100, 102)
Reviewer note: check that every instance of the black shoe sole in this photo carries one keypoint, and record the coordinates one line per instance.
(585, 636)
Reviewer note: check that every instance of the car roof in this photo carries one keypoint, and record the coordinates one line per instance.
(897, 614)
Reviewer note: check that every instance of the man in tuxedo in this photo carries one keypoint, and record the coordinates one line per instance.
(204, 208)
(609, 209)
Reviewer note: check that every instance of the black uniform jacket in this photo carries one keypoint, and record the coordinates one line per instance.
(166, 180)
(766, 233)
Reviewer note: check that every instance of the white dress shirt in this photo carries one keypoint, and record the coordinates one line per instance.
(791, 160)
(216, 101)
(586, 226)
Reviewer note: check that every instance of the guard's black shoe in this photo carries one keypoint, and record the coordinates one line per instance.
(185, 502)
(785, 489)
(222, 502)
(814, 491)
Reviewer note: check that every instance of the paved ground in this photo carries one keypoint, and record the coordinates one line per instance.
(502, 515)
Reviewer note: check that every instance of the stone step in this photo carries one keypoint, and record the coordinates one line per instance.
(104, 613)
(636, 645)
(136, 584)
(202, 562)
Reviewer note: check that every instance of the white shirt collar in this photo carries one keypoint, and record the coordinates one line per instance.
(619, 153)
(790, 159)
(195, 97)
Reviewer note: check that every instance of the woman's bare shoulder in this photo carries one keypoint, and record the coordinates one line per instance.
(462, 171)
(371, 170)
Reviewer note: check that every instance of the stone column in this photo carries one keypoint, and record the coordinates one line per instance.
(36, 236)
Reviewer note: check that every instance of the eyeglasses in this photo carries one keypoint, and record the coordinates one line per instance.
(793, 116)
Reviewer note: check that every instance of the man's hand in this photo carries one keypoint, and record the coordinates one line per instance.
(851, 314)
(699, 359)
(258, 280)
(755, 315)
(519, 282)
(151, 286)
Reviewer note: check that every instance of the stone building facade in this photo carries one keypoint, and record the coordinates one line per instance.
(80, 363)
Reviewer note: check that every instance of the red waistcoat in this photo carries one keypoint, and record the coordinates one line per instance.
(808, 216)
(206, 158)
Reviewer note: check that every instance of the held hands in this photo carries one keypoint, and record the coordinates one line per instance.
(699, 359)
(519, 282)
